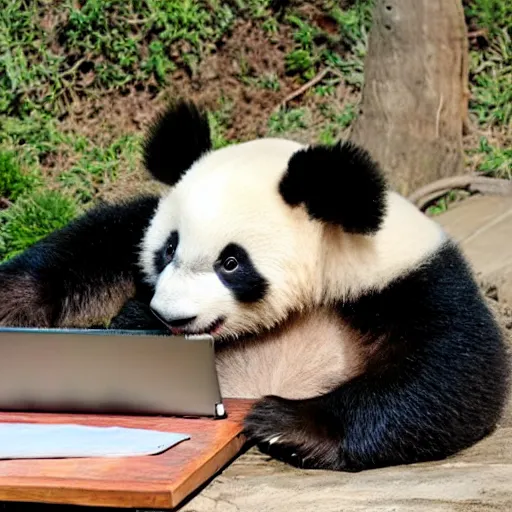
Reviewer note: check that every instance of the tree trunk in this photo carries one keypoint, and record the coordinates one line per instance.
(415, 95)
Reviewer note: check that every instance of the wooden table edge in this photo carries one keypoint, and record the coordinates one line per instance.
(96, 493)
(52, 495)
(196, 479)
(90, 492)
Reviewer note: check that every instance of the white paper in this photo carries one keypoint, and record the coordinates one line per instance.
(36, 441)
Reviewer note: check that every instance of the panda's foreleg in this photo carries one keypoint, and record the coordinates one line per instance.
(421, 412)
(81, 275)
(136, 314)
(436, 380)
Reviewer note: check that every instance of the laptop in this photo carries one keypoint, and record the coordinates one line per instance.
(108, 371)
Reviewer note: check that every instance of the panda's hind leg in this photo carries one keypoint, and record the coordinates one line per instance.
(81, 275)
(21, 304)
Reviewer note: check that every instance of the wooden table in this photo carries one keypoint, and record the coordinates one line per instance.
(157, 481)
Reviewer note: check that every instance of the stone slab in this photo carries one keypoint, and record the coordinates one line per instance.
(483, 227)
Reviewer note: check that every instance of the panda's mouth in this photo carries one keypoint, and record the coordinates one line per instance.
(211, 329)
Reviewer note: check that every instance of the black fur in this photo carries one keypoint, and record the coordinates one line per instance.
(436, 382)
(92, 260)
(338, 184)
(179, 137)
(246, 283)
(135, 315)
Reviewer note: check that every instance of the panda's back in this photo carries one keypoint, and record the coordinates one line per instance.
(309, 355)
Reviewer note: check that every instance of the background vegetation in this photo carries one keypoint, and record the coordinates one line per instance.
(80, 79)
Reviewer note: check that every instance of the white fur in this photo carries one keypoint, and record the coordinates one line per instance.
(355, 263)
(307, 356)
(231, 195)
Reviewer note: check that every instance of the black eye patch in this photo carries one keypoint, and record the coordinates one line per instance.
(238, 273)
(165, 255)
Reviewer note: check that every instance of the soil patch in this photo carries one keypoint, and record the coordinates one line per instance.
(228, 76)
(242, 83)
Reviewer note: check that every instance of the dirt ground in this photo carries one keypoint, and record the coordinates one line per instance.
(224, 82)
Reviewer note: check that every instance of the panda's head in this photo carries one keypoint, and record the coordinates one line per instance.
(248, 233)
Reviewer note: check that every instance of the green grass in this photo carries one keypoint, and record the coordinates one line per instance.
(491, 15)
(269, 81)
(13, 181)
(336, 123)
(310, 55)
(287, 120)
(31, 218)
(491, 84)
(219, 120)
(37, 139)
(443, 203)
(304, 59)
(51, 55)
(343, 50)
(25, 145)
(31, 75)
(495, 161)
(112, 44)
(97, 166)
(34, 138)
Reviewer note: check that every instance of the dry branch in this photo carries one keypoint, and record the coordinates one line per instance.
(301, 90)
(470, 182)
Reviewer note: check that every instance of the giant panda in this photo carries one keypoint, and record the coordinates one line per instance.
(349, 316)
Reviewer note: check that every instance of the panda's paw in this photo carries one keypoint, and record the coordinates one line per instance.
(287, 431)
(269, 419)
(270, 425)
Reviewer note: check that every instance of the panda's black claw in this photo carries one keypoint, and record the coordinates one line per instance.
(269, 419)
(283, 453)
(287, 431)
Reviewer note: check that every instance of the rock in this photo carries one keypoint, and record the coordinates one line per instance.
(483, 227)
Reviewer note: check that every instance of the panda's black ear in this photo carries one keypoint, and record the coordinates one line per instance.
(177, 138)
(337, 184)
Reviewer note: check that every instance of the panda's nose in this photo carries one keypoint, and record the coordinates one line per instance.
(181, 322)
(173, 322)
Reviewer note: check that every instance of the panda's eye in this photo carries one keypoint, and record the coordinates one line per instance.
(170, 247)
(230, 264)
(169, 251)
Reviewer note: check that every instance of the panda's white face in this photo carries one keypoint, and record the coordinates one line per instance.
(225, 253)
(253, 232)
